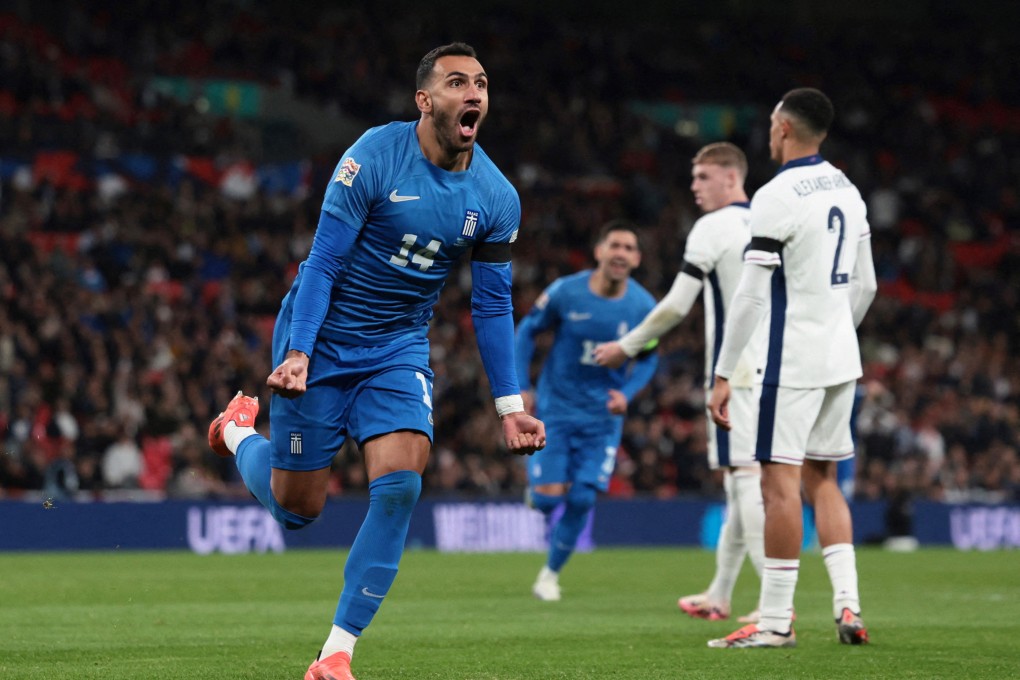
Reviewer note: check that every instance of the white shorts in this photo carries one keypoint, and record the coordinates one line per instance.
(794, 424)
(736, 447)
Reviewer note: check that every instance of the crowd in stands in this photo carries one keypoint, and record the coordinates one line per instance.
(135, 306)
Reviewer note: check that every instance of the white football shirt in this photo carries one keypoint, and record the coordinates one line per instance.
(809, 219)
(716, 246)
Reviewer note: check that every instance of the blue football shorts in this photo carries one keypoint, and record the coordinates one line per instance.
(577, 453)
(353, 391)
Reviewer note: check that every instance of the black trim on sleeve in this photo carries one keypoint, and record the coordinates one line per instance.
(765, 244)
(491, 252)
(647, 351)
(692, 270)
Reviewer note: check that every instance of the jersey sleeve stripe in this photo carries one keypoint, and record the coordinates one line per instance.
(491, 252)
(692, 270)
(759, 257)
(766, 244)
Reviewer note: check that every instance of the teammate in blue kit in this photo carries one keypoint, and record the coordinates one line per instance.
(583, 404)
(407, 200)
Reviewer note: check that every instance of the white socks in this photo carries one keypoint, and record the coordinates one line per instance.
(234, 435)
(742, 534)
(779, 581)
(339, 640)
(749, 504)
(729, 554)
(841, 563)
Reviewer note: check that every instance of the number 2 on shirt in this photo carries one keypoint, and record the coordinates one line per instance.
(837, 222)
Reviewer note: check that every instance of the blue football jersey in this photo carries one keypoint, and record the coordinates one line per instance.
(571, 386)
(415, 221)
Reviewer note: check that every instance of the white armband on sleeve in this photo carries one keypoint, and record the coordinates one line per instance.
(511, 403)
(668, 313)
(745, 312)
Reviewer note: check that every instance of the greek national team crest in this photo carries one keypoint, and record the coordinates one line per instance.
(348, 171)
(470, 223)
(295, 443)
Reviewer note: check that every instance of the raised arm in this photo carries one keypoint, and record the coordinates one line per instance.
(492, 313)
(670, 311)
(333, 240)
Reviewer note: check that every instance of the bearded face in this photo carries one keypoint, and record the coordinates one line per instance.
(459, 98)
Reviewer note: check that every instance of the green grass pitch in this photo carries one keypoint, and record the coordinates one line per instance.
(935, 613)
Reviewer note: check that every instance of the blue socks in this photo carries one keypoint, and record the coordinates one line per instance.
(252, 459)
(372, 563)
(580, 499)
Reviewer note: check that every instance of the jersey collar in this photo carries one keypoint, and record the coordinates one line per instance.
(813, 159)
(741, 204)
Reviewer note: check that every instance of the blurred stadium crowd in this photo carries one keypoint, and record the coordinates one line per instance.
(144, 246)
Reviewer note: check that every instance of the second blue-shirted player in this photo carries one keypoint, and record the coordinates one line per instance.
(350, 344)
(582, 404)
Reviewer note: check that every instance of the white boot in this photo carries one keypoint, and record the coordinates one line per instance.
(547, 585)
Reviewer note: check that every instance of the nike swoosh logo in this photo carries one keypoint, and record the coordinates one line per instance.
(395, 198)
(366, 591)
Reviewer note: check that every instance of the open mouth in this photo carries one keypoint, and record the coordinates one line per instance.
(469, 122)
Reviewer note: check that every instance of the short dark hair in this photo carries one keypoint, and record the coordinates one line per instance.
(618, 224)
(428, 62)
(811, 107)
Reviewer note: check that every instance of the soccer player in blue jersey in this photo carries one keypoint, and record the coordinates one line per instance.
(583, 404)
(406, 201)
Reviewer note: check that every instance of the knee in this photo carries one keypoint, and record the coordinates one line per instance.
(307, 506)
(819, 479)
(296, 518)
(544, 503)
(299, 497)
(777, 497)
(581, 497)
(397, 490)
